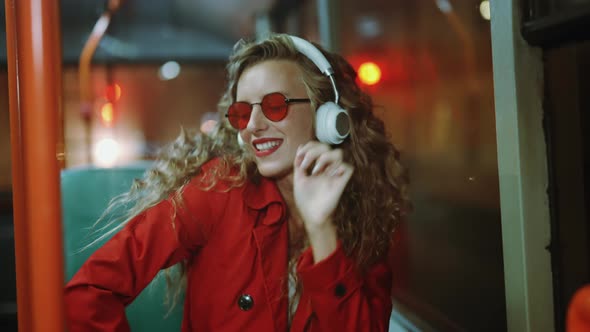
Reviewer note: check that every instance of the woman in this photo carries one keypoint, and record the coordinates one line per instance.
(273, 229)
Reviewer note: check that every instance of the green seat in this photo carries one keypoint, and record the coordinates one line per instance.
(86, 193)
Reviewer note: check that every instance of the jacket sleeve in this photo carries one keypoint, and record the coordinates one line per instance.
(114, 275)
(336, 298)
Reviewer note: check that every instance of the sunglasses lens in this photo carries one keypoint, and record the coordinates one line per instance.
(238, 115)
(274, 106)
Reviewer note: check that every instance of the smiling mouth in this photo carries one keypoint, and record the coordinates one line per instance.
(261, 147)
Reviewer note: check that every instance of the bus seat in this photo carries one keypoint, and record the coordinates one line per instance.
(86, 192)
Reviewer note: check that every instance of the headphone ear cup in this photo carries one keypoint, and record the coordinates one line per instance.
(332, 123)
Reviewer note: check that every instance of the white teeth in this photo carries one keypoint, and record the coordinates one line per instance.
(266, 145)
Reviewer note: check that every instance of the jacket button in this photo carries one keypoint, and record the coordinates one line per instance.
(339, 290)
(245, 302)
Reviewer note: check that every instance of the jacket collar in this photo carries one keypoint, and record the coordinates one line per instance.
(264, 194)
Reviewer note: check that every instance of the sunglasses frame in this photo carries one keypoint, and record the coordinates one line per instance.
(288, 101)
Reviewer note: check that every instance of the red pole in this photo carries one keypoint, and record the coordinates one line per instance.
(20, 226)
(35, 83)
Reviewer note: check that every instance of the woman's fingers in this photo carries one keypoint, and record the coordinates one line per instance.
(315, 158)
(308, 153)
(327, 162)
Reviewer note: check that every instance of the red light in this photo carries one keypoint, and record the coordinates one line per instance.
(369, 73)
(107, 114)
(113, 92)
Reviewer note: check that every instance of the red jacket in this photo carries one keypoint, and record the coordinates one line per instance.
(236, 245)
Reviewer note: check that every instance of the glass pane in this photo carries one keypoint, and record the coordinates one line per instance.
(436, 97)
(148, 112)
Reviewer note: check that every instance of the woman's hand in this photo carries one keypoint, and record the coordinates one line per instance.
(320, 176)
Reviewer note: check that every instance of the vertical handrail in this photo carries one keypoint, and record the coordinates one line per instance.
(86, 96)
(523, 173)
(35, 91)
(327, 24)
(18, 206)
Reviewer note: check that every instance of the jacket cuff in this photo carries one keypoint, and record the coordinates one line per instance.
(335, 274)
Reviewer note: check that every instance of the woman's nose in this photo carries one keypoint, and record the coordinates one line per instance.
(257, 119)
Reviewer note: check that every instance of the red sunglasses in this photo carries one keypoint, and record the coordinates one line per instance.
(274, 107)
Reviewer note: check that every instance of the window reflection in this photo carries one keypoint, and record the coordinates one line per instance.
(436, 96)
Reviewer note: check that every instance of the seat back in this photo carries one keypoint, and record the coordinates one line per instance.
(86, 192)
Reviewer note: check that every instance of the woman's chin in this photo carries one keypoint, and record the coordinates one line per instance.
(274, 171)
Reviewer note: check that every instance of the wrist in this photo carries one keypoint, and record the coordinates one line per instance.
(323, 240)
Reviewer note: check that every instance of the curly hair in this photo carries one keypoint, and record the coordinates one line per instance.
(375, 199)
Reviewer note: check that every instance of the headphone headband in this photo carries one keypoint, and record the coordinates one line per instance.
(312, 53)
(309, 50)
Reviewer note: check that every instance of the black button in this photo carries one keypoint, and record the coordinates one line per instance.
(245, 302)
(340, 290)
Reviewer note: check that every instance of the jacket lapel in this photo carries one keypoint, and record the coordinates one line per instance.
(271, 237)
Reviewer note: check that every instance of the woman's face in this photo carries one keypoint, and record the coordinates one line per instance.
(275, 143)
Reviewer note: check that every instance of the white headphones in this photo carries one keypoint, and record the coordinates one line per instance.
(332, 121)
